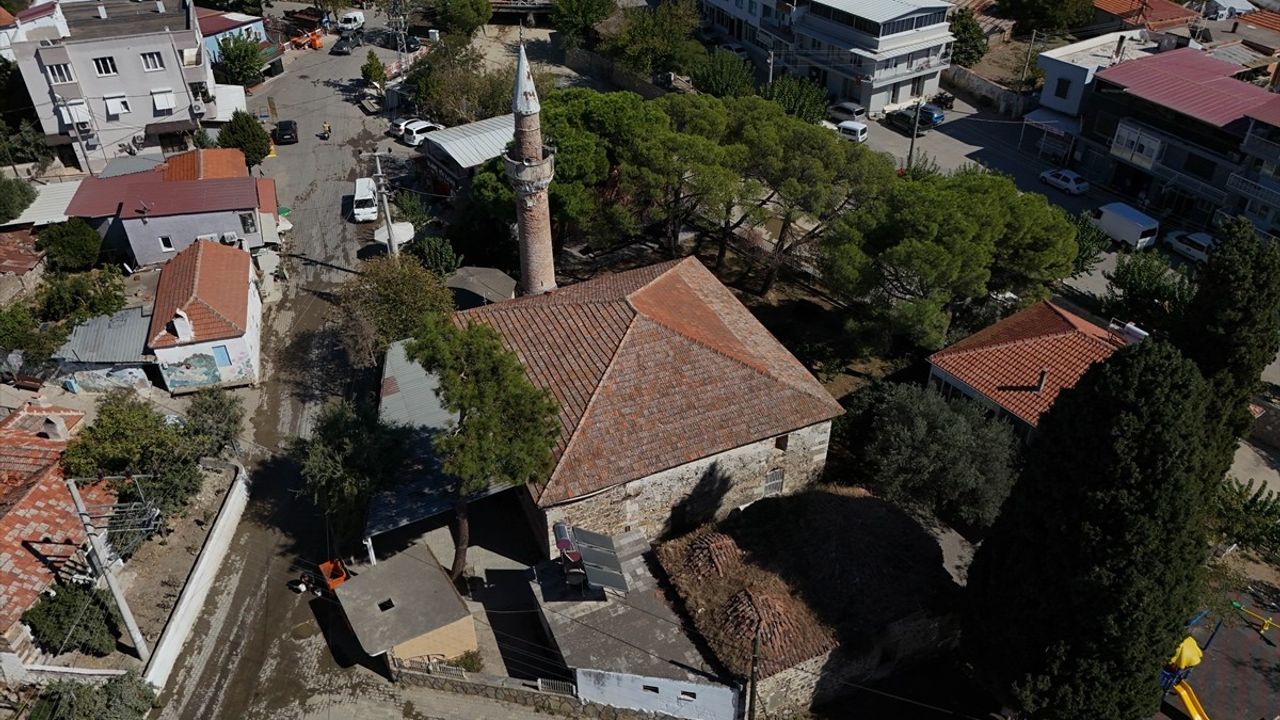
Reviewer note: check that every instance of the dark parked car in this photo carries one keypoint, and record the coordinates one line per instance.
(286, 132)
(349, 41)
(904, 120)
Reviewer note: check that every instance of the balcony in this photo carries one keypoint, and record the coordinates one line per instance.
(1199, 188)
(1253, 190)
(933, 62)
(1261, 148)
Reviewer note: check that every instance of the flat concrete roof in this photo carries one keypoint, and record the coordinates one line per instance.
(638, 634)
(124, 17)
(1101, 51)
(403, 597)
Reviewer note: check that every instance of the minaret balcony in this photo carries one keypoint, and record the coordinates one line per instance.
(528, 176)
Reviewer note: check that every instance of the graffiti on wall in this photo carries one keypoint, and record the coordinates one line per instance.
(201, 370)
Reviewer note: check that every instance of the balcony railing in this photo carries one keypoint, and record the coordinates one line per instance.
(1197, 187)
(921, 65)
(1260, 147)
(1253, 190)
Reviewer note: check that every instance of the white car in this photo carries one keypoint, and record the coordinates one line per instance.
(842, 111)
(396, 128)
(1065, 180)
(736, 49)
(1191, 245)
(416, 132)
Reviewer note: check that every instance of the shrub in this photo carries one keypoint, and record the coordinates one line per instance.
(72, 246)
(15, 196)
(127, 697)
(469, 661)
(214, 420)
(75, 617)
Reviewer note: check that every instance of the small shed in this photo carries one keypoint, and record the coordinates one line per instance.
(455, 153)
(476, 286)
(406, 606)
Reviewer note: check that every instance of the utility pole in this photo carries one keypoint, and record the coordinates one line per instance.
(381, 181)
(1026, 65)
(397, 21)
(755, 668)
(770, 67)
(915, 128)
(98, 556)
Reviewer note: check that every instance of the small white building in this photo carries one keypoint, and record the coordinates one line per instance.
(1069, 70)
(207, 322)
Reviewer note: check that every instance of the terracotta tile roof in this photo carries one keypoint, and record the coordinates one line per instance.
(1266, 19)
(38, 525)
(267, 195)
(211, 164)
(1003, 362)
(6, 18)
(1151, 14)
(652, 368)
(141, 194)
(18, 253)
(36, 11)
(213, 22)
(209, 282)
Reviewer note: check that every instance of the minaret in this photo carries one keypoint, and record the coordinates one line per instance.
(530, 167)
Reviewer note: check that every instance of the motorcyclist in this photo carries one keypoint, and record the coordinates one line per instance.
(325, 130)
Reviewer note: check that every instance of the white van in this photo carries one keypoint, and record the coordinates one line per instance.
(364, 203)
(1126, 225)
(852, 130)
(351, 21)
(415, 132)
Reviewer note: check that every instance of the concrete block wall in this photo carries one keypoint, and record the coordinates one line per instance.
(681, 498)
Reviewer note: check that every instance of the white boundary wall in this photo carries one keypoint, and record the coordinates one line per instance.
(199, 582)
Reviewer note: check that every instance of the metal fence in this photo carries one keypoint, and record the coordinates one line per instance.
(558, 687)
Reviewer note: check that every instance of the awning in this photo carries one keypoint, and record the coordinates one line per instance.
(163, 99)
(116, 104)
(227, 100)
(74, 112)
(1052, 121)
(174, 126)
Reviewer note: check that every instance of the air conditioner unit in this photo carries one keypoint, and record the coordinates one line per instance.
(211, 237)
(197, 108)
(230, 238)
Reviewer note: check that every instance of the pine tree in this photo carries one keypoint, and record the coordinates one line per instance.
(1231, 330)
(971, 41)
(1081, 590)
(243, 131)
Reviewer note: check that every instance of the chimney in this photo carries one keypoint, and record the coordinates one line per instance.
(1044, 375)
(1235, 26)
(102, 12)
(1119, 51)
(160, 6)
(182, 326)
(54, 428)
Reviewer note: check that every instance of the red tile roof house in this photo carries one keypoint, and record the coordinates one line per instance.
(39, 530)
(157, 217)
(1149, 14)
(1020, 365)
(206, 325)
(676, 404)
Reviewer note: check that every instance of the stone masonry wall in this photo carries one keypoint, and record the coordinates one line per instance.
(822, 678)
(689, 495)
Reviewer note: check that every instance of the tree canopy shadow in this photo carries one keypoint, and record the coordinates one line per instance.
(315, 366)
(701, 505)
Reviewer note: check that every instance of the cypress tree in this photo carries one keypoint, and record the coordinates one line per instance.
(1080, 592)
(1231, 330)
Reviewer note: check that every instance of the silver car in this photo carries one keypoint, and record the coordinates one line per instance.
(1068, 182)
(1191, 245)
(396, 128)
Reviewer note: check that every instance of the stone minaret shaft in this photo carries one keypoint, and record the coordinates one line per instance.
(530, 167)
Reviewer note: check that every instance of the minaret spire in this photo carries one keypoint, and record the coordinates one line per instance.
(530, 168)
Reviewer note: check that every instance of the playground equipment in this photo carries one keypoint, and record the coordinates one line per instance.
(1264, 623)
(1187, 656)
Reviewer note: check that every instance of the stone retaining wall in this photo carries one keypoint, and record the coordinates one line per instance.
(585, 62)
(987, 94)
(513, 691)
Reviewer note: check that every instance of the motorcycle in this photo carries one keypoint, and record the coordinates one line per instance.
(945, 100)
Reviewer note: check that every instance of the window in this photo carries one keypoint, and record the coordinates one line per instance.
(152, 61)
(1062, 88)
(751, 6)
(386, 605)
(917, 86)
(105, 66)
(221, 357)
(166, 243)
(60, 73)
(248, 223)
(117, 104)
(651, 689)
(1200, 166)
(781, 442)
(773, 482)
(688, 695)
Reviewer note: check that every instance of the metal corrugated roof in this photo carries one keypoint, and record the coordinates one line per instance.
(50, 205)
(1241, 55)
(108, 339)
(130, 164)
(883, 10)
(409, 393)
(1190, 82)
(475, 143)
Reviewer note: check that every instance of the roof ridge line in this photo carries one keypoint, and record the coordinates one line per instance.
(595, 392)
(1008, 343)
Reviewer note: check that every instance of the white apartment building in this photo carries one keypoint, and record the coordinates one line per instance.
(125, 76)
(39, 20)
(881, 54)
